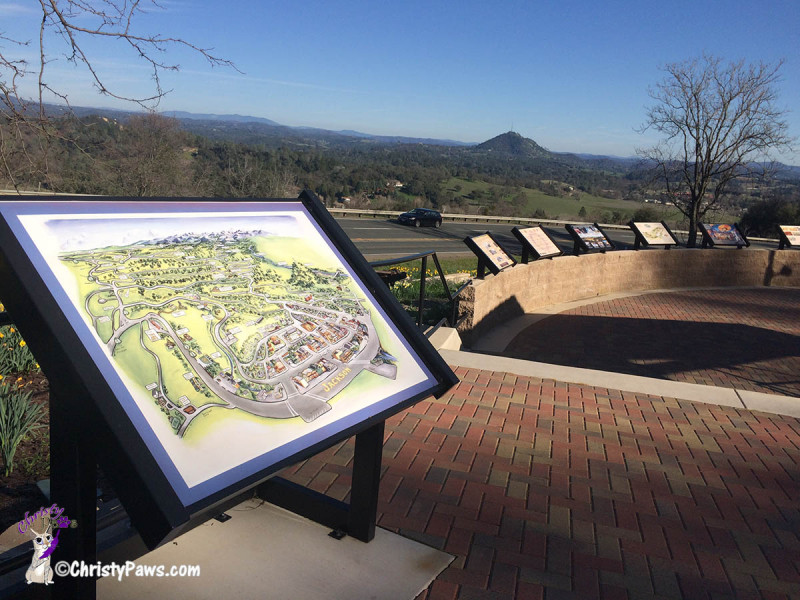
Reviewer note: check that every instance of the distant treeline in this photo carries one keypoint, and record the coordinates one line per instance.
(152, 155)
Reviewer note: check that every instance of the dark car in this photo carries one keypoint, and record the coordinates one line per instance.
(421, 216)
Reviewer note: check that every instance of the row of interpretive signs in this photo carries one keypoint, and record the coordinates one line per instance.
(537, 243)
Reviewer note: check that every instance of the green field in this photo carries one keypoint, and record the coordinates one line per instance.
(567, 207)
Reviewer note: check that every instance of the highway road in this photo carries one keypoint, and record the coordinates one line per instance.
(382, 238)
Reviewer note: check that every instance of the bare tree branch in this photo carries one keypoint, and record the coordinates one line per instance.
(719, 122)
(64, 29)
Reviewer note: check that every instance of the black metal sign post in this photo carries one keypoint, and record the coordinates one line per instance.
(366, 482)
(356, 519)
(73, 486)
(481, 267)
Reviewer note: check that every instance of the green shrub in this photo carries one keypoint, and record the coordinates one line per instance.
(18, 418)
(15, 356)
(763, 218)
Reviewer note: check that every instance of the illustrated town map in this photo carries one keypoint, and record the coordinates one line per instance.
(233, 334)
(210, 319)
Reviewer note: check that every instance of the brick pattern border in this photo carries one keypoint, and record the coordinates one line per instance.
(748, 339)
(543, 489)
(490, 302)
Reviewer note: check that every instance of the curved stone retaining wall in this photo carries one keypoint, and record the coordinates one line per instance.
(525, 288)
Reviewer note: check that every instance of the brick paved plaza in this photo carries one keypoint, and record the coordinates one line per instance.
(550, 490)
(747, 339)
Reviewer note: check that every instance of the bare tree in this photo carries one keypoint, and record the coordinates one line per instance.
(64, 30)
(281, 183)
(153, 165)
(720, 122)
(249, 176)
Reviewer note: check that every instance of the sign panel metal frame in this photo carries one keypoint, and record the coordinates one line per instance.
(582, 245)
(529, 249)
(723, 234)
(491, 254)
(90, 396)
(789, 236)
(638, 229)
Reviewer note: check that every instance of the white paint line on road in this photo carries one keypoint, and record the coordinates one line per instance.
(388, 255)
(396, 240)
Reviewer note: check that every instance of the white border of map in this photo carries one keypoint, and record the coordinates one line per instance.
(233, 444)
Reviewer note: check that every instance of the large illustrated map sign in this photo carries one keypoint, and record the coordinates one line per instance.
(722, 234)
(234, 336)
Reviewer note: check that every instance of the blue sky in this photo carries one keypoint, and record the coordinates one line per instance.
(571, 74)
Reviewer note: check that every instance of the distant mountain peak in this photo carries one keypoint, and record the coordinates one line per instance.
(513, 144)
(182, 115)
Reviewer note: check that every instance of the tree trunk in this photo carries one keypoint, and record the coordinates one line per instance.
(692, 240)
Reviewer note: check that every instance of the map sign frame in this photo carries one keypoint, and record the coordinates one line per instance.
(653, 234)
(537, 242)
(723, 234)
(207, 343)
(490, 253)
(789, 236)
(589, 237)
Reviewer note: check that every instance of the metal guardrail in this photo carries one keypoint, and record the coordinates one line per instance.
(357, 212)
(31, 193)
(455, 217)
(451, 297)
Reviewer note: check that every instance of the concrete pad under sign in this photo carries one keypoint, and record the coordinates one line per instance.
(615, 381)
(267, 552)
(445, 338)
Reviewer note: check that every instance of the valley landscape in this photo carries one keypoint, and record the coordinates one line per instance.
(183, 154)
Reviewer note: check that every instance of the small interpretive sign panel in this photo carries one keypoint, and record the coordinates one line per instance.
(536, 242)
(723, 234)
(490, 253)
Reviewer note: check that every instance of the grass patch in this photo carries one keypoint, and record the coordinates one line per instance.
(555, 207)
(567, 207)
(437, 305)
